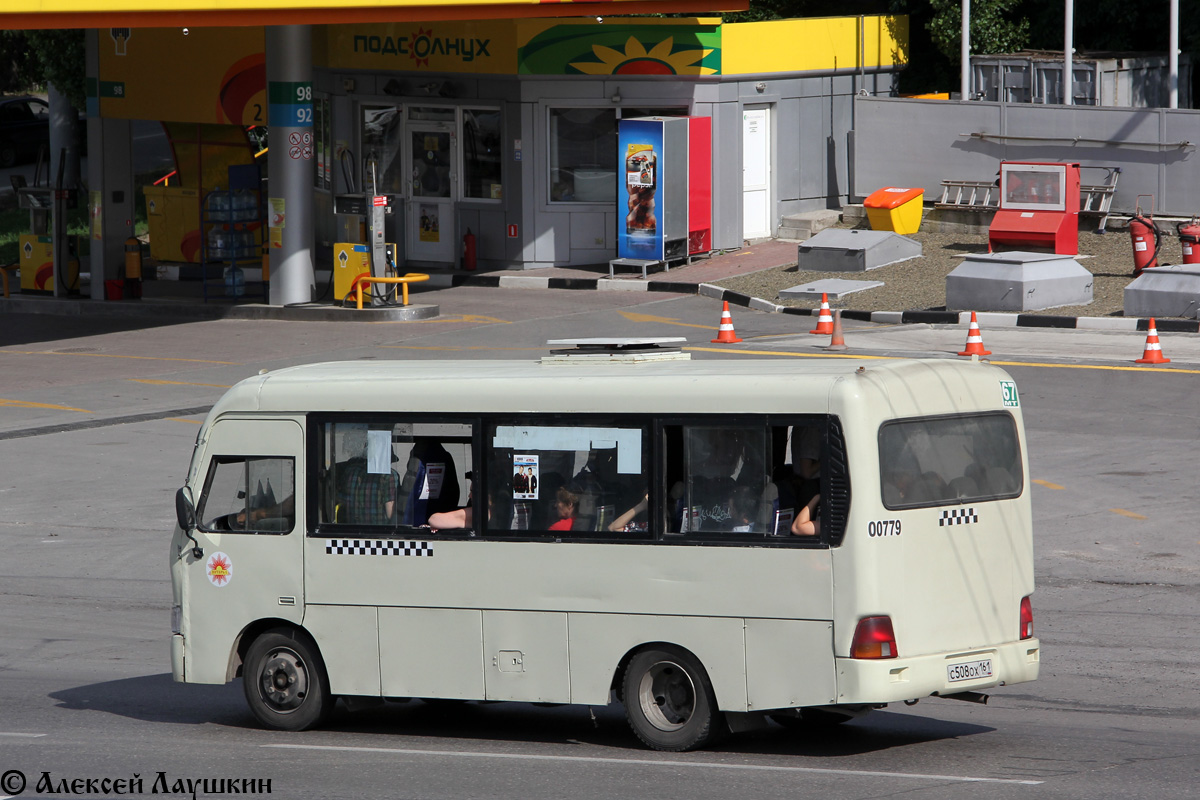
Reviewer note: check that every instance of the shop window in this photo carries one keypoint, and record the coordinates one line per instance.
(583, 151)
(322, 142)
(482, 148)
(382, 127)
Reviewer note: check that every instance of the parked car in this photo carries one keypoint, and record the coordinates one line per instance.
(24, 126)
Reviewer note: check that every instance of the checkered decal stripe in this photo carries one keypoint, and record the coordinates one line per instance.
(958, 516)
(377, 547)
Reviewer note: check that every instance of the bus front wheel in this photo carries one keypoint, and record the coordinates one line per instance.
(669, 701)
(285, 682)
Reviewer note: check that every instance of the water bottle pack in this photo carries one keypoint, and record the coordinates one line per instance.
(235, 281)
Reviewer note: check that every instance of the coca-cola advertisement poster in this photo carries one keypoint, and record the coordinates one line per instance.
(640, 147)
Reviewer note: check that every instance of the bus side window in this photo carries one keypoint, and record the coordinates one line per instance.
(571, 481)
(721, 479)
(389, 473)
(251, 494)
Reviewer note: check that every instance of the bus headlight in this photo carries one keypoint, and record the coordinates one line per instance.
(176, 619)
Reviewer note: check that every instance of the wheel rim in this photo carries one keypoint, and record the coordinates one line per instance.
(283, 682)
(667, 696)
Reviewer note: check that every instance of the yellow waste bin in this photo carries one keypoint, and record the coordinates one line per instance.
(895, 209)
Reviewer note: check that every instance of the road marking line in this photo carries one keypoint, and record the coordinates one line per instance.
(23, 735)
(1093, 366)
(179, 383)
(1047, 484)
(793, 355)
(1125, 513)
(896, 358)
(634, 316)
(109, 355)
(181, 419)
(461, 348)
(475, 318)
(648, 762)
(30, 404)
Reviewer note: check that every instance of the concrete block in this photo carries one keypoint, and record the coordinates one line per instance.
(1172, 291)
(841, 250)
(835, 288)
(1017, 281)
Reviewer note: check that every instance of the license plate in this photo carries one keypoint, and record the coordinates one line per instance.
(969, 670)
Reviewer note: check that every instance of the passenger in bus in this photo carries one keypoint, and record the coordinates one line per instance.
(625, 521)
(743, 509)
(365, 497)
(430, 483)
(806, 462)
(459, 518)
(567, 505)
(808, 521)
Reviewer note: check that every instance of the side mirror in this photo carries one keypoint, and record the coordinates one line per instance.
(185, 511)
(185, 514)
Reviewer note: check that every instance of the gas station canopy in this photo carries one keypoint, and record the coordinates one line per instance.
(34, 14)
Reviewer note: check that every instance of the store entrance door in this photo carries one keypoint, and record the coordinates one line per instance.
(431, 152)
(756, 172)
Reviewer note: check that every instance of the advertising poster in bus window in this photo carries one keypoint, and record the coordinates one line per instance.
(435, 475)
(640, 144)
(525, 477)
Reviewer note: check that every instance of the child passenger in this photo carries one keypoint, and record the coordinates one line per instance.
(566, 504)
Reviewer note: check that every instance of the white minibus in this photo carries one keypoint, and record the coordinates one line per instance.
(710, 543)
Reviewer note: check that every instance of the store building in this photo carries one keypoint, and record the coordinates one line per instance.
(508, 128)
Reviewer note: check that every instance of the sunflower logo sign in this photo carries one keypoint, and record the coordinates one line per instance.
(634, 58)
(219, 569)
(622, 50)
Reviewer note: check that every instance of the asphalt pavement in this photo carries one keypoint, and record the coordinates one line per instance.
(98, 415)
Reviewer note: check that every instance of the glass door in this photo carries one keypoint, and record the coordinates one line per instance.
(430, 152)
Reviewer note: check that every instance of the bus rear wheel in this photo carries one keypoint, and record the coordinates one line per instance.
(285, 682)
(669, 701)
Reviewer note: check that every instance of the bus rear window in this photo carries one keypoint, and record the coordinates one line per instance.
(938, 461)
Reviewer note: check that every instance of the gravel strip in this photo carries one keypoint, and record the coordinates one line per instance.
(920, 283)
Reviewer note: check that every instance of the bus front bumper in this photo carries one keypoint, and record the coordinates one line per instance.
(871, 681)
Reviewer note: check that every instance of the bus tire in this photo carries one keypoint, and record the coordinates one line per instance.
(669, 700)
(285, 682)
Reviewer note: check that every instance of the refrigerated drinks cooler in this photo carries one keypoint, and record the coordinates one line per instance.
(665, 210)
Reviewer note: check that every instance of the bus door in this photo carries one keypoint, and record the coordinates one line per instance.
(250, 529)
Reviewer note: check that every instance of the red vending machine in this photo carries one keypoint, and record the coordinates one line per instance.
(699, 185)
(1039, 208)
(666, 208)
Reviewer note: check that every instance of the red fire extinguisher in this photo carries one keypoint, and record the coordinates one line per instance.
(1143, 230)
(469, 251)
(1189, 237)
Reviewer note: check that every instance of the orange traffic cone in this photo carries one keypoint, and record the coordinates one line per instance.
(824, 319)
(1153, 352)
(836, 342)
(725, 334)
(974, 340)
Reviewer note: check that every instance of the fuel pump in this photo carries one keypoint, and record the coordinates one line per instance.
(371, 229)
(47, 256)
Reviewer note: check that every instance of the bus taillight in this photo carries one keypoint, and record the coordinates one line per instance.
(1026, 618)
(874, 638)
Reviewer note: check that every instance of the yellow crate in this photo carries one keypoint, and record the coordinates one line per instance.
(895, 209)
